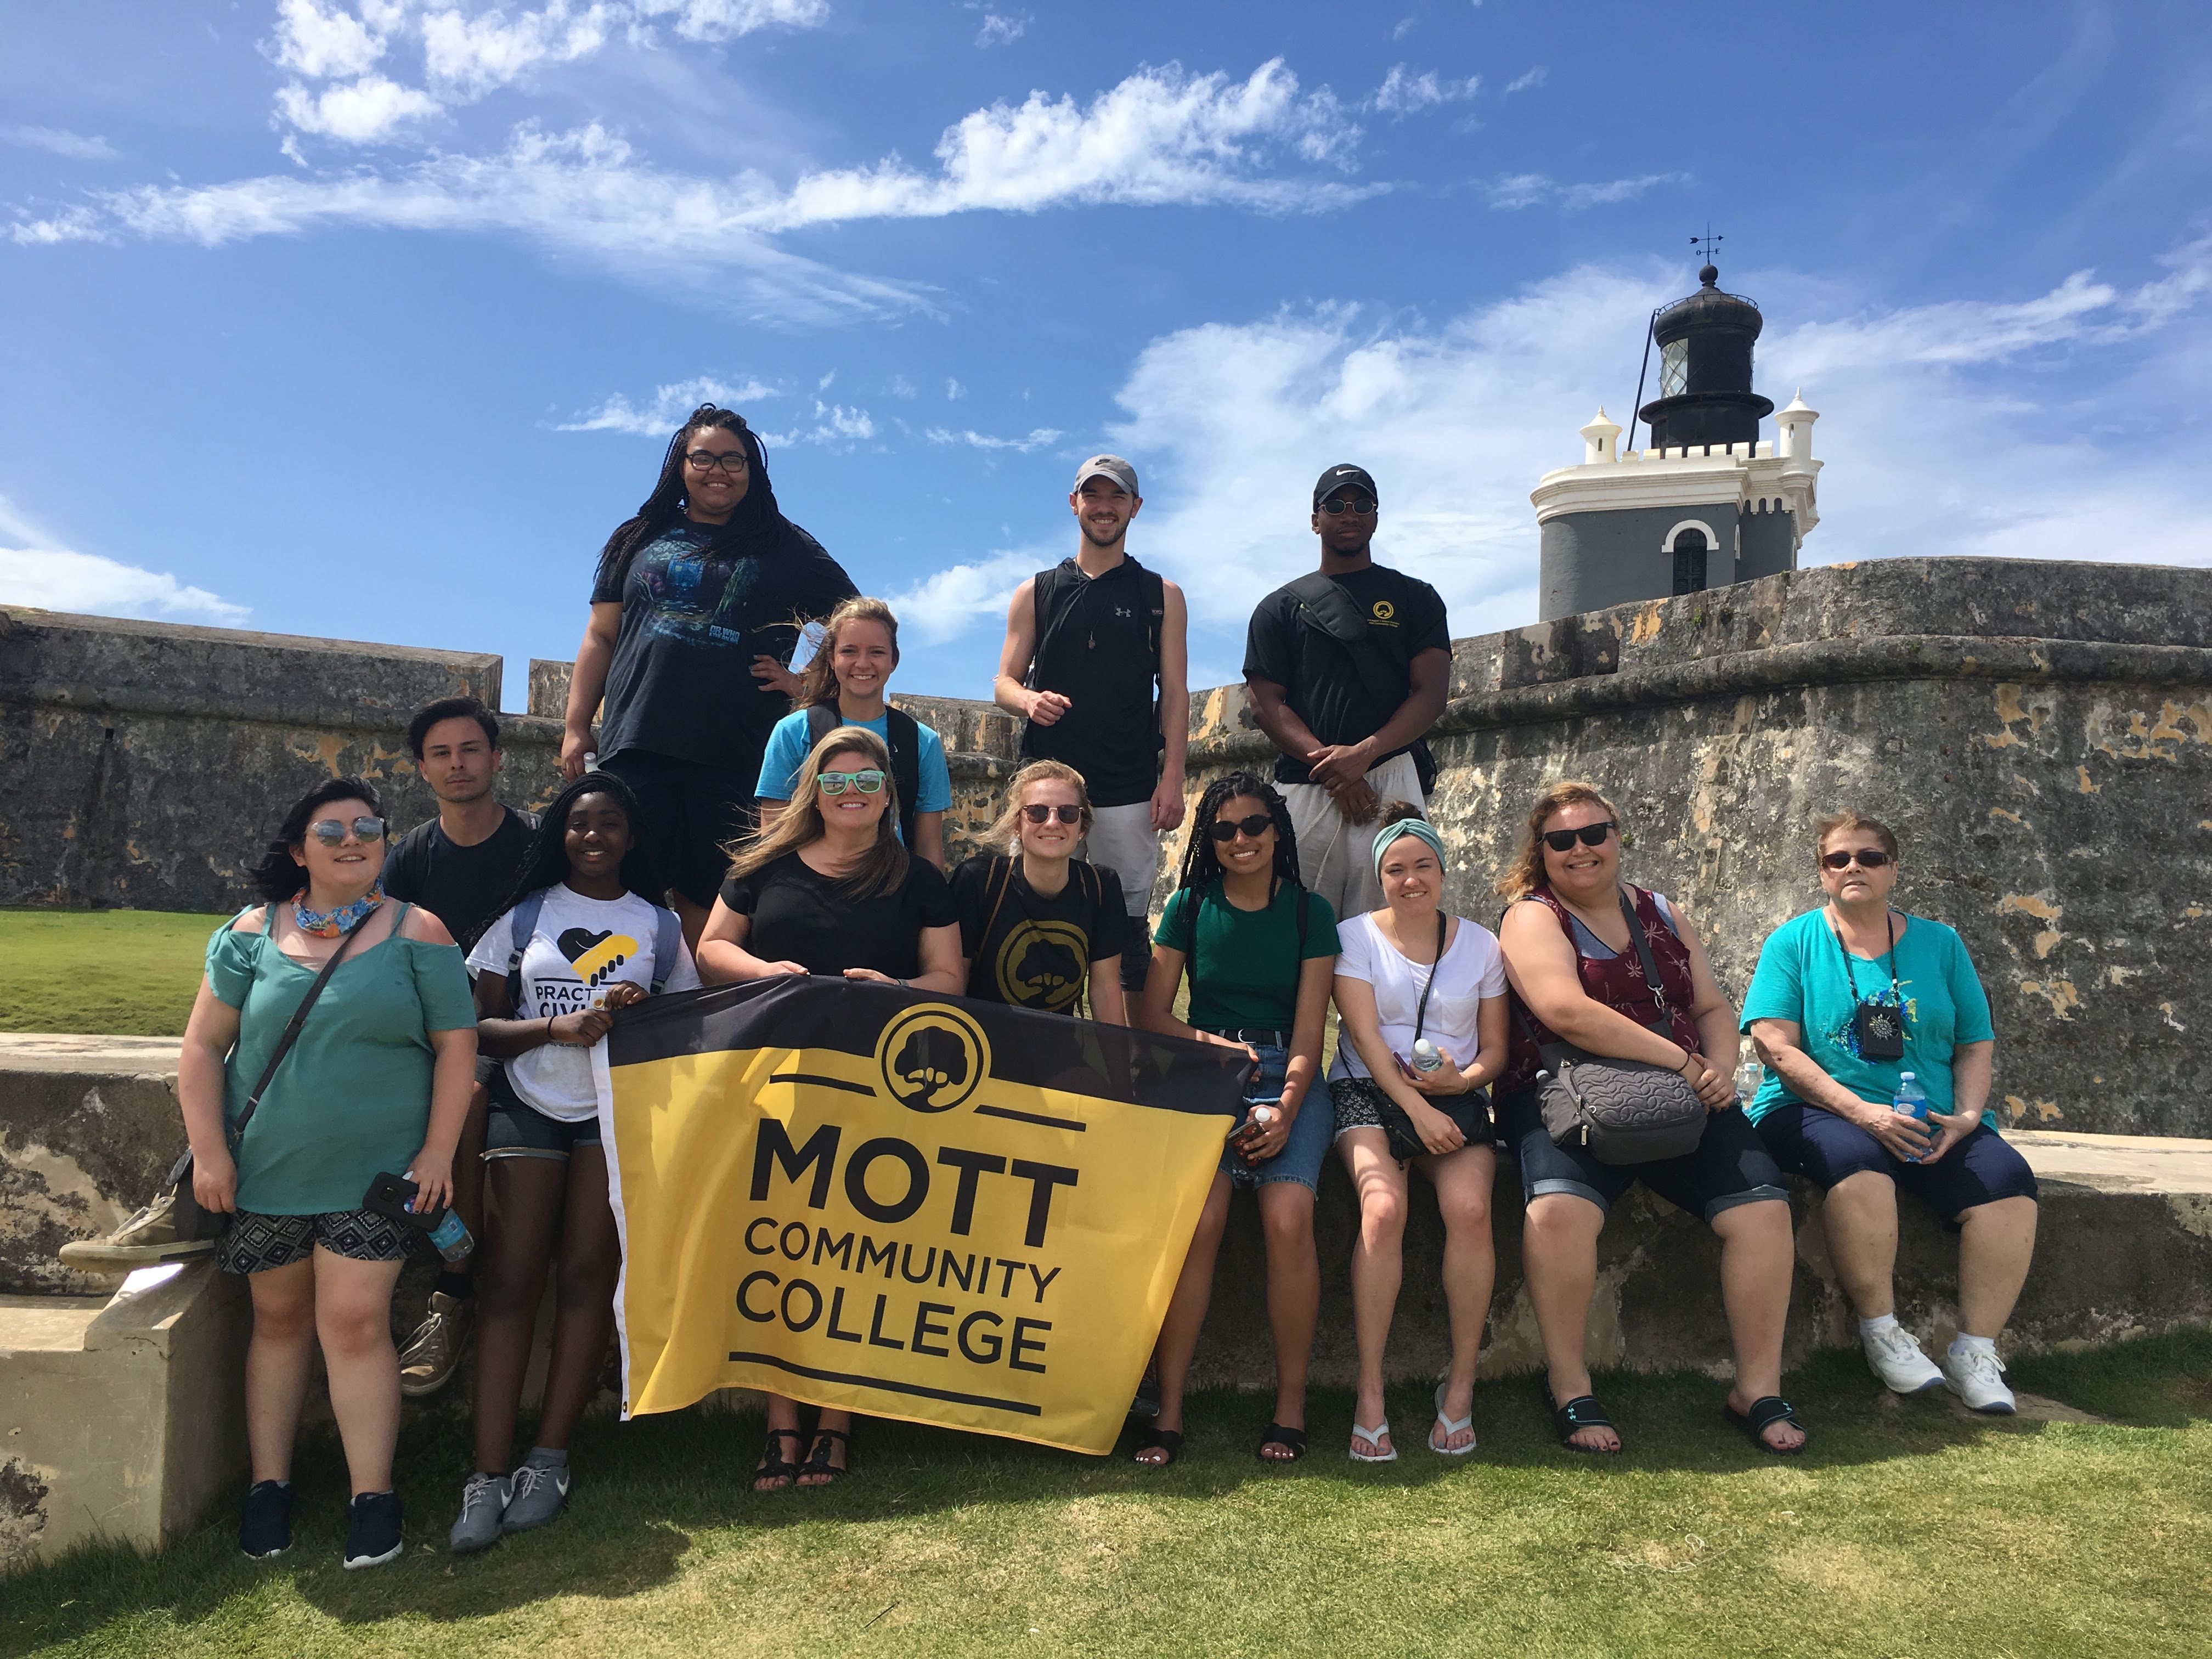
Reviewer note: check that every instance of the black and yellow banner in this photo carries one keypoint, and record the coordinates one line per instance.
(948, 1210)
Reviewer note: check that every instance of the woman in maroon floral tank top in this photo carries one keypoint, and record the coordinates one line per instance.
(1576, 978)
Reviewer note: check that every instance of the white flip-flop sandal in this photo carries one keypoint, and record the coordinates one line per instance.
(1374, 1437)
(1450, 1425)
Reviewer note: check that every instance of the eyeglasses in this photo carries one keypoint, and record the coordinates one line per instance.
(1590, 834)
(331, 832)
(867, 783)
(1065, 814)
(1358, 506)
(1227, 829)
(1868, 858)
(706, 461)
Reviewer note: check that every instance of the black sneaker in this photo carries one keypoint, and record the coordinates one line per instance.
(373, 1532)
(266, 1531)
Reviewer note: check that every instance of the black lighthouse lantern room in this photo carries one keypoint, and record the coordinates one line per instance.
(1704, 370)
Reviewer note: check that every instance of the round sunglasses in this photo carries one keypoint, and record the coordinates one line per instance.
(1868, 858)
(868, 781)
(1040, 814)
(332, 833)
(1252, 828)
(1590, 834)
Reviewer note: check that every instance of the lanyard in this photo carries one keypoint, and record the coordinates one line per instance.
(1421, 1013)
(1851, 978)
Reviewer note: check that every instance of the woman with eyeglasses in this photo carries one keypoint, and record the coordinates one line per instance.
(695, 612)
(377, 1082)
(1575, 937)
(1847, 1001)
(828, 889)
(1038, 926)
(1259, 948)
(1421, 1003)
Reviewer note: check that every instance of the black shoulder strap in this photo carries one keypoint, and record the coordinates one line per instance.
(1044, 591)
(1156, 609)
(291, 1032)
(822, 718)
(903, 737)
(1327, 609)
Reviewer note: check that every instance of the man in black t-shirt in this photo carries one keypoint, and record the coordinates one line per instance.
(458, 866)
(1347, 669)
(1096, 664)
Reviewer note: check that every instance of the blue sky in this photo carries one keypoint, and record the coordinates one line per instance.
(369, 318)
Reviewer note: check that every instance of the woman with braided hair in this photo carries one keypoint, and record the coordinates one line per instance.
(695, 611)
(1260, 950)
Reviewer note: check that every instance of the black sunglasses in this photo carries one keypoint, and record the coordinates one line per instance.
(1590, 834)
(1037, 814)
(1337, 506)
(1869, 858)
(1227, 829)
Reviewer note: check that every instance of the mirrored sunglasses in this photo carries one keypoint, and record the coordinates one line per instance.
(1868, 858)
(1037, 814)
(331, 832)
(868, 782)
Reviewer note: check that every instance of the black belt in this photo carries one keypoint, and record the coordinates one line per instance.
(1250, 1034)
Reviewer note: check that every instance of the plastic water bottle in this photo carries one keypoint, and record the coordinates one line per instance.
(453, 1239)
(1912, 1100)
(1750, 1078)
(1427, 1057)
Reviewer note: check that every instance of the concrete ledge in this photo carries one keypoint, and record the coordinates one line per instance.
(124, 1417)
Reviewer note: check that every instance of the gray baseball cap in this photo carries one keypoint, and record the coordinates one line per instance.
(1108, 466)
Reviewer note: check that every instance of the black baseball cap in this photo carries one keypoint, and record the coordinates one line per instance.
(1337, 477)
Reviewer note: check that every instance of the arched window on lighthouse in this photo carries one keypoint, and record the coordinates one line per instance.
(1690, 562)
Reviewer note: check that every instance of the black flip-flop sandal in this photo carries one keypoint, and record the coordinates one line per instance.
(1167, 1440)
(1581, 1413)
(1277, 1435)
(1765, 1412)
(817, 1457)
(774, 1466)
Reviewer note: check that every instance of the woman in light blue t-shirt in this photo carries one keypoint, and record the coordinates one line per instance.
(1847, 999)
(843, 684)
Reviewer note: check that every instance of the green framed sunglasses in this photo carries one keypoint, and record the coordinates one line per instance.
(868, 781)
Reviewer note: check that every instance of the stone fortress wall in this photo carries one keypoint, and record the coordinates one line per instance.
(2040, 735)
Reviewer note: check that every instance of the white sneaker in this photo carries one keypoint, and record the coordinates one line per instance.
(1977, 1376)
(1896, 1359)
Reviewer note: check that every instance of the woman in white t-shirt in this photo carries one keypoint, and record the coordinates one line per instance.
(574, 940)
(1415, 985)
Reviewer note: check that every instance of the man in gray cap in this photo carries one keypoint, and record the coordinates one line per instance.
(1347, 668)
(1095, 664)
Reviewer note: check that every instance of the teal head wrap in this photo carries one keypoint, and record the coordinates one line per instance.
(1420, 828)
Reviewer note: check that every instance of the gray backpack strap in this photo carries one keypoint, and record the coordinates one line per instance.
(822, 718)
(667, 946)
(525, 920)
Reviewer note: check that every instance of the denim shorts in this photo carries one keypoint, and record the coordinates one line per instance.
(1311, 1131)
(1814, 1142)
(516, 1128)
(1730, 1165)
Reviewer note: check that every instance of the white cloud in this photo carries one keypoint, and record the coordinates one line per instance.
(1401, 95)
(1001, 30)
(475, 55)
(835, 427)
(58, 141)
(1042, 437)
(33, 571)
(658, 416)
(726, 20)
(367, 111)
(1521, 190)
(322, 41)
(943, 606)
(1534, 77)
(954, 392)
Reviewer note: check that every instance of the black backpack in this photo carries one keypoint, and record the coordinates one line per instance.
(901, 736)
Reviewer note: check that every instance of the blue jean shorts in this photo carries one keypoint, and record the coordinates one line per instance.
(516, 1128)
(1311, 1131)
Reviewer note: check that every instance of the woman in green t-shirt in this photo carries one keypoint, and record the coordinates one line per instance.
(377, 1082)
(1260, 949)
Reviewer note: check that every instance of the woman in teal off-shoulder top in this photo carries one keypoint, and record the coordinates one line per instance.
(377, 1081)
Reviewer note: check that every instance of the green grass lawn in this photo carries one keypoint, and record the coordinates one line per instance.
(105, 973)
(1909, 1528)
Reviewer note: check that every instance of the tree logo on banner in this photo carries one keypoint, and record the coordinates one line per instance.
(932, 1057)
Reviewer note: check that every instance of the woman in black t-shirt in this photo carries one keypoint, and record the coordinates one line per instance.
(826, 889)
(1035, 923)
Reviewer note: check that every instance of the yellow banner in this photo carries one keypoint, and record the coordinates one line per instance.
(941, 1210)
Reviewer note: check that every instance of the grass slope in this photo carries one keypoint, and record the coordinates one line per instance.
(106, 973)
(1909, 1528)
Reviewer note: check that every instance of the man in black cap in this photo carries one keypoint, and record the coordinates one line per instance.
(1095, 664)
(1348, 667)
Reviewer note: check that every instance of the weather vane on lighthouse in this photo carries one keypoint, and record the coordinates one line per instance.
(1707, 243)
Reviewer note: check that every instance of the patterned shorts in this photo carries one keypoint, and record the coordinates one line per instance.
(254, 1243)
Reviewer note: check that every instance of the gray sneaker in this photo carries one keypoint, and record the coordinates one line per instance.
(484, 1505)
(148, 1236)
(537, 1498)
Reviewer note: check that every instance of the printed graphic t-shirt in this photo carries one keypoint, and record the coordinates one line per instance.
(788, 747)
(458, 884)
(580, 948)
(1028, 950)
(1802, 977)
(799, 914)
(1248, 961)
(681, 683)
(1405, 617)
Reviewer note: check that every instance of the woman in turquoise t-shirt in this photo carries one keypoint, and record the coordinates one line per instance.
(1846, 1000)
(847, 679)
(377, 1082)
(1262, 950)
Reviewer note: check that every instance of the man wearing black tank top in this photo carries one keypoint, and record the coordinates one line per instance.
(1095, 664)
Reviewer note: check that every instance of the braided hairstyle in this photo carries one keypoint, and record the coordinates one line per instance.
(1202, 865)
(545, 859)
(756, 526)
